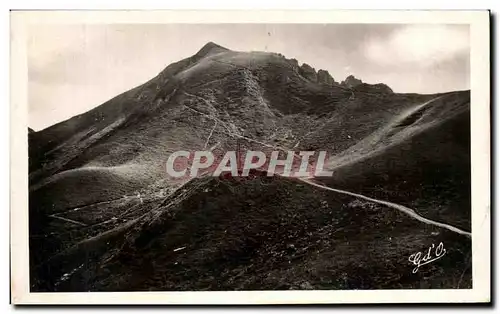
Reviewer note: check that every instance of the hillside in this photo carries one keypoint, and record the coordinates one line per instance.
(102, 207)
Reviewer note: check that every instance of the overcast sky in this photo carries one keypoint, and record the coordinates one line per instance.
(74, 68)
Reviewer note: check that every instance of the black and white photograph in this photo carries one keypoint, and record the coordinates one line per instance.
(337, 155)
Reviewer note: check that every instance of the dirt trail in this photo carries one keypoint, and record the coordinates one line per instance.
(402, 208)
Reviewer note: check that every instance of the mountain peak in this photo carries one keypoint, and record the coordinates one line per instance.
(210, 48)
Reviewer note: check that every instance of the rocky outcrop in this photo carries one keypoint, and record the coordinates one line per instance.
(210, 48)
(356, 84)
(325, 78)
(308, 72)
(351, 82)
(294, 63)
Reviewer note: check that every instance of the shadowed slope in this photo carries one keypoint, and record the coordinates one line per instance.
(421, 160)
(267, 233)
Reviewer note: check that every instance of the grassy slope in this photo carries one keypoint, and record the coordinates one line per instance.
(119, 148)
(420, 160)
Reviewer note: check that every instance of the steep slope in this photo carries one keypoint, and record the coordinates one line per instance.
(101, 205)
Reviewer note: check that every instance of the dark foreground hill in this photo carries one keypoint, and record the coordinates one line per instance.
(266, 233)
(104, 216)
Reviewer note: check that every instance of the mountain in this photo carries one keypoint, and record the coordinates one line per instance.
(104, 216)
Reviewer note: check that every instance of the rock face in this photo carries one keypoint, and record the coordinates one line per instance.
(308, 72)
(294, 63)
(351, 82)
(356, 84)
(325, 78)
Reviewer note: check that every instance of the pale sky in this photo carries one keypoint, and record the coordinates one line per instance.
(74, 68)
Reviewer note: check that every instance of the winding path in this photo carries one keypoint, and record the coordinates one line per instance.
(410, 212)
